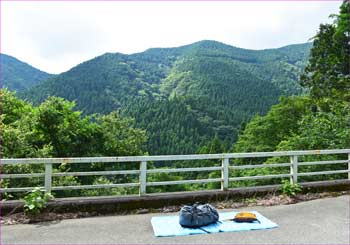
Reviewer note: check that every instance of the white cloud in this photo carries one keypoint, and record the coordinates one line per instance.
(54, 36)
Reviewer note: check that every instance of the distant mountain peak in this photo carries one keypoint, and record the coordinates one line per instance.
(17, 75)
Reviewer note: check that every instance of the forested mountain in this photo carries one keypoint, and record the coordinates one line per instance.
(192, 98)
(17, 75)
(219, 87)
(107, 82)
(321, 119)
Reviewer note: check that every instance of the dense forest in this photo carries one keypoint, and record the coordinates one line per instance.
(55, 129)
(188, 94)
(193, 99)
(19, 76)
(320, 119)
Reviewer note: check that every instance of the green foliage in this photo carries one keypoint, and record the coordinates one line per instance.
(172, 128)
(35, 201)
(55, 129)
(18, 76)
(318, 121)
(166, 177)
(263, 133)
(290, 189)
(327, 73)
(103, 84)
(119, 137)
(17, 131)
(6, 195)
(12, 108)
(328, 77)
(321, 130)
(213, 147)
(108, 191)
(182, 96)
(66, 181)
(195, 98)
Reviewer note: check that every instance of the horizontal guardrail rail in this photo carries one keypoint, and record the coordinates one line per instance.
(170, 157)
(142, 172)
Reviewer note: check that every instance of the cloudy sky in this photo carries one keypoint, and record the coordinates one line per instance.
(55, 36)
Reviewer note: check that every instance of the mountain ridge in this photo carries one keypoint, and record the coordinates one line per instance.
(213, 85)
(18, 75)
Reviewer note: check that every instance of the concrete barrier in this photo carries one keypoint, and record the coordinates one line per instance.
(111, 204)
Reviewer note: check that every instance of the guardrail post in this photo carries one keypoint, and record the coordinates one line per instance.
(348, 165)
(294, 169)
(224, 174)
(48, 177)
(143, 177)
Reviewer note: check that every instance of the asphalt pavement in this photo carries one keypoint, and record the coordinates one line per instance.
(322, 221)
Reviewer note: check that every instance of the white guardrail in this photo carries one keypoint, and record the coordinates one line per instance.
(225, 168)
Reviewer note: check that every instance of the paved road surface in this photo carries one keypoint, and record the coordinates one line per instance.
(323, 221)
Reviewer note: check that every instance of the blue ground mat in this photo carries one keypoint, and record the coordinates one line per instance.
(169, 225)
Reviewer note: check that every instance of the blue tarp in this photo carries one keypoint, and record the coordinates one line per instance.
(169, 225)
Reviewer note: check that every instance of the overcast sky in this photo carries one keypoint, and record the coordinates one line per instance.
(55, 36)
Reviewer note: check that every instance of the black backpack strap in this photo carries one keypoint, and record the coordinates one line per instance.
(203, 230)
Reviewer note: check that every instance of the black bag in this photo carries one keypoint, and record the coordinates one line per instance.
(198, 215)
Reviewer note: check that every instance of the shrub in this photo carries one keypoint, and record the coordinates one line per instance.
(35, 201)
(290, 189)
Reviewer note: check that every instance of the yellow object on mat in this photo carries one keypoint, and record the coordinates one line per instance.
(245, 217)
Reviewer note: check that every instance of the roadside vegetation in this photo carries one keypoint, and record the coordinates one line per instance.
(319, 119)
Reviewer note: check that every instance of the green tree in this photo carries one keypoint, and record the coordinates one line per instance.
(213, 147)
(70, 134)
(321, 130)
(263, 133)
(319, 121)
(55, 129)
(59, 125)
(12, 109)
(16, 123)
(328, 71)
(119, 138)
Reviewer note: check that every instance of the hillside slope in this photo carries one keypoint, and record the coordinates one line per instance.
(219, 87)
(18, 76)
